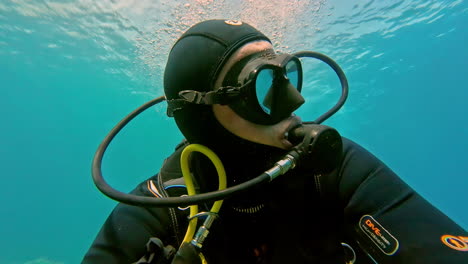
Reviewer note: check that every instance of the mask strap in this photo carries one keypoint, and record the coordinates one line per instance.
(224, 95)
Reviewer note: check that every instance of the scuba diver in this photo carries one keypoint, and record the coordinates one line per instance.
(234, 97)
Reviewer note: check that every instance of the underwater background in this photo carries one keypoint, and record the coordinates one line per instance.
(70, 70)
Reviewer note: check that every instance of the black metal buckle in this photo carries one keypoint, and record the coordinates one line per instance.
(224, 95)
(191, 96)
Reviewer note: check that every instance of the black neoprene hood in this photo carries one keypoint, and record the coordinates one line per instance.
(194, 63)
(200, 53)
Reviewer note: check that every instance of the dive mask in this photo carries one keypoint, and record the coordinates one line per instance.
(263, 88)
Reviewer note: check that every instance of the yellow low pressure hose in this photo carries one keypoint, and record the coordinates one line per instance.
(184, 162)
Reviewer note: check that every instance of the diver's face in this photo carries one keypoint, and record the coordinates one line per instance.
(272, 135)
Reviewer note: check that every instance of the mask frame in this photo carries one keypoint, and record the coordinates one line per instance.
(240, 89)
(269, 96)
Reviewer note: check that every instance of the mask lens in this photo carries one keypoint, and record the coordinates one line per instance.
(263, 85)
(292, 73)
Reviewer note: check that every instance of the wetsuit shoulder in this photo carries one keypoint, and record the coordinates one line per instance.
(388, 219)
(126, 231)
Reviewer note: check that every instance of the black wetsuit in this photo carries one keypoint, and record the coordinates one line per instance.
(305, 218)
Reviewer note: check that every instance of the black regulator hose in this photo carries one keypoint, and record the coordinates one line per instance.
(131, 199)
(341, 77)
(309, 138)
(313, 138)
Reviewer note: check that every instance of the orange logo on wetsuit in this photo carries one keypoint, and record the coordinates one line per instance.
(380, 236)
(455, 242)
(373, 227)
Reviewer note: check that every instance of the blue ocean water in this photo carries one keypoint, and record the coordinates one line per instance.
(70, 70)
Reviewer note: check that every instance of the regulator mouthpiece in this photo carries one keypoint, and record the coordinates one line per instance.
(296, 135)
(316, 144)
